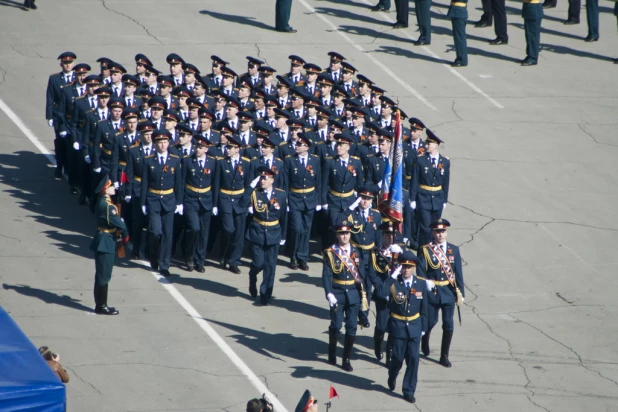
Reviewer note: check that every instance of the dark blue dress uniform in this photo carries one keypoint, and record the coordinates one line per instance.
(264, 233)
(135, 168)
(532, 12)
(423, 19)
(445, 294)
(339, 281)
(411, 151)
(430, 191)
(304, 187)
(104, 246)
(339, 183)
(458, 13)
(407, 322)
(160, 183)
(592, 16)
(232, 201)
(105, 150)
(197, 196)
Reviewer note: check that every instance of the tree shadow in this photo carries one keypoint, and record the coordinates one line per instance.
(17, 5)
(48, 297)
(233, 18)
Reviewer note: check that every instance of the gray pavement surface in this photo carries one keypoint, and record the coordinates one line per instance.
(533, 202)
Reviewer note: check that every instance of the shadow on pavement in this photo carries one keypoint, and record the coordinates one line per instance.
(48, 297)
(233, 18)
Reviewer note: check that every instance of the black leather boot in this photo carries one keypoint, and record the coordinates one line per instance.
(348, 344)
(377, 341)
(446, 344)
(332, 346)
(224, 246)
(253, 284)
(425, 343)
(97, 296)
(153, 251)
(389, 351)
(102, 308)
(189, 250)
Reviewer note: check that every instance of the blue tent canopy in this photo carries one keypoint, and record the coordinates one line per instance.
(26, 382)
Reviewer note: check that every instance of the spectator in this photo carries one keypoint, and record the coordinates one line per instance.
(53, 360)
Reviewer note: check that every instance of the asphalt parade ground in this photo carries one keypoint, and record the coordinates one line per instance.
(533, 204)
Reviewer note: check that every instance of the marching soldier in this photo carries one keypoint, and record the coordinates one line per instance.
(408, 322)
(104, 244)
(198, 177)
(441, 262)
(105, 149)
(459, 16)
(268, 204)
(411, 150)
(430, 185)
(342, 277)
(160, 183)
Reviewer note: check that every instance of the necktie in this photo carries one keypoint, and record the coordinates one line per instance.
(375, 149)
(311, 90)
(344, 164)
(129, 103)
(268, 163)
(131, 138)
(365, 102)
(193, 126)
(302, 161)
(297, 113)
(295, 79)
(325, 102)
(218, 116)
(115, 126)
(146, 151)
(442, 247)
(161, 160)
(103, 115)
(358, 133)
(377, 110)
(184, 151)
(312, 122)
(322, 135)
(217, 81)
(336, 77)
(227, 92)
(116, 90)
(338, 112)
(283, 136)
(152, 89)
(434, 162)
(347, 87)
(413, 147)
(67, 79)
(81, 91)
(408, 285)
(177, 82)
(201, 164)
(254, 80)
(92, 102)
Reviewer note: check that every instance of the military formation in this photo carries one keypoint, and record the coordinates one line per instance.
(182, 161)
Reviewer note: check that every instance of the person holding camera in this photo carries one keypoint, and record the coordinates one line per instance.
(53, 360)
(259, 405)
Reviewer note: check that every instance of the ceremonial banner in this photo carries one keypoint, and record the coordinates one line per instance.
(391, 197)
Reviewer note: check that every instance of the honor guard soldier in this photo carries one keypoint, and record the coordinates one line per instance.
(532, 12)
(176, 62)
(151, 80)
(347, 79)
(342, 277)
(104, 64)
(334, 68)
(284, 85)
(311, 87)
(441, 262)
(191, 73)
(141, 61)
(365, 236)
(343, 175)
(160, 182)
(55, 84)
(228, 82)
(307, 403)
(458, 13)
(268, 159)
(430, 184)
(302, 180)
(244, 96)
(295, 75)
(267, 78)
(137, 155)
(198, 177)
(233, 177)
(157, 108)
(109, 227)
(268, 204)
(414, 147)
(105, 150)
(131, 83)
(253, 75)
(364, 91)
(214, 80)
(383, 262)
(408, 322)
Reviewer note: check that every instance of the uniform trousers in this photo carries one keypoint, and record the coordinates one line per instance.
(264, 258)
(198, 223)
(103, 263)
(300, 226)
(161, 224)
(448, 310)
(425, 218)
(344, 311)
(234, 225)
(408, 350)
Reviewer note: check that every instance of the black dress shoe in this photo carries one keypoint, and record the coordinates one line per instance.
(234, 269)
(200, 268)
(347, 366)
(458, 64)
(165, 272)
(81, 200)
(400, 26)
(222, 263)
(548, 6)
(303, 266)
(253, 289)
(591, 39)
(409, 398)
(616, 61)
(264, 301)
(498, 42)
(571, 22)
(481, 24)
(288, 30)
(391, 384)
(422, 43)
(32, 5)
(135, 256)
(293, 265)
(105, 310)
(528, 62)
(190, 267)
(379, 8)
(445, 362)
(58, 173)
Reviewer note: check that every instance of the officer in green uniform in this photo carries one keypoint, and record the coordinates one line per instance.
(283, 9)
(104, 244)
(423, 19)
(532, 12)
(459, 16)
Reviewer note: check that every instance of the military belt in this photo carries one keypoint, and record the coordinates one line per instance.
(532, 1)
(405, 318)
(308, 190)
(364, 247)
(197, 189)
(107, 152)
(408, 177)
(344, 282)
(161, 192)
(338, 194)
(440, 282)
(232, 192)
(104, 230)
(263, 223)
(121, 163)
(137, 179)
(431, 188)
(459, 4)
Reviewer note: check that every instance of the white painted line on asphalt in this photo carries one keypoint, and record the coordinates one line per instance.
(370, 56)
(561, 243)
(212, 334)
(448, 67)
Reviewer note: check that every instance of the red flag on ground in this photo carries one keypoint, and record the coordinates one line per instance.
(332, 393)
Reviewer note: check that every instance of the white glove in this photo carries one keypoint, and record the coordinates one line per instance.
(282, 242)
(250, 210)
(116, 185)
(76, 145)
(380, 184)
(127, 199)
(325, 207)
(87, 159)
(144, 210)
(318, 208)
(97, 170)
(215, 211)
(413, 204)
(50, 122)
(430, 284)
(463, 300)
(422, 334)
(396, 273)
(254, 182)
(395, 249)
(332, 300)
(179, 209)
(443, 206)
(355, 204)
(405, 240)
(62, 133)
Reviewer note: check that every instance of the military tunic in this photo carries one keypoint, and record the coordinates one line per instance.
(104, 243)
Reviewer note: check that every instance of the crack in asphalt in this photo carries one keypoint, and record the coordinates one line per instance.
(259, 54)
(592, 137)
(2, 75)
(133, 20)
(82, 379)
